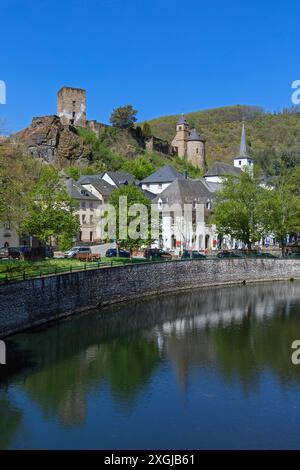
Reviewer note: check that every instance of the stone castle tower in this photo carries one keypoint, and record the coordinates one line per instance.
(71, 106)
(189, 144)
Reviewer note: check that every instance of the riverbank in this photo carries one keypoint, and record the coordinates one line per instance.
(29, 303)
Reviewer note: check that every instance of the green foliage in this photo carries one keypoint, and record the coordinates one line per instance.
(140, 167)
(134, 196)
(123, 117)
(50, 210)
(282, 207)
(18, 172)
(74, 172)
(240, 209)
(101, 153)
(267, 134)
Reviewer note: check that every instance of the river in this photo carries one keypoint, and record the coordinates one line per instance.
(202, 369)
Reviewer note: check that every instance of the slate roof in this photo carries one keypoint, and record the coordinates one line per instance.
(184, 191)
(223, 169)
(102, 186)
(182, 120)
(76, 191)
(120, 177)
(165, 174)
(243, 146)
(194, 136)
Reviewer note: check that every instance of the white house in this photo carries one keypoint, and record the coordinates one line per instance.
(160, 179)
(184, 207)
(8, 235)
(88, 211)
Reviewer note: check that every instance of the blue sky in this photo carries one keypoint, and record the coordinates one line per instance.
(162, 56)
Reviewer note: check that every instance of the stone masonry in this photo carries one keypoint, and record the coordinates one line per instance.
(28, 303)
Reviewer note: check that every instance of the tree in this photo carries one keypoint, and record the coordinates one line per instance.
(50, 210)
(140, 167)
(239, 210)
(123, 117)
(282, 207)
(133, 217)
(147, 132)
(18, 172)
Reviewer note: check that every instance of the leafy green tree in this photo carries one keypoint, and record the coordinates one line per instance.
(147, 132)
(129, 220)
(74, 172)
(123, 117)
(18, 172)
(239, 210)
(50, 210)
(282, 206)
(140, 167)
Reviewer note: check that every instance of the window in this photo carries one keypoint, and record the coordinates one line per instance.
(91, 206)
(83, 219)
(7, 225)
(91, 236)
(240, 162)
(197, 150)
(83, 206)
(80, 236)
(159, 185)
(91, 219)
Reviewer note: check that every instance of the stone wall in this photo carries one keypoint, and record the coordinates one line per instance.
(28, 303)
(71, 106)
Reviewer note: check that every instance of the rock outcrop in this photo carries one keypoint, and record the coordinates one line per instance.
(55, 143)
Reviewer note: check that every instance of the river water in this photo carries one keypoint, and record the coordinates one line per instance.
(204, 369)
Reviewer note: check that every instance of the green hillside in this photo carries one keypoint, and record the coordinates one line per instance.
(268, 135)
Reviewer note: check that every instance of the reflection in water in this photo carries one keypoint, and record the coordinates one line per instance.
(114, 364)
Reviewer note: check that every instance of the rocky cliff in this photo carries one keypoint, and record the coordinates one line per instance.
(49, 139)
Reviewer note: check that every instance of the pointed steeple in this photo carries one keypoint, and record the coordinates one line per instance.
(243, 144)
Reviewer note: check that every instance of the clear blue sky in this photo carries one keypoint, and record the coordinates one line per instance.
(162, 56)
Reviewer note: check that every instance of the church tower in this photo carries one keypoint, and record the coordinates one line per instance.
(180, 140)
(243, 160)
(196, 150)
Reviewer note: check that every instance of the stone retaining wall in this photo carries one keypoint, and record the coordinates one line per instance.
(28, 303)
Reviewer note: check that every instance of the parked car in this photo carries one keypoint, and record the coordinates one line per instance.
(10, 253)
(112, 253)
(85, 254)
(156, 253)
(186, 254)
(72, 252)
(229, 254)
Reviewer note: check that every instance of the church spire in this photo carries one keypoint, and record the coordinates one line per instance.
(243, 144)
